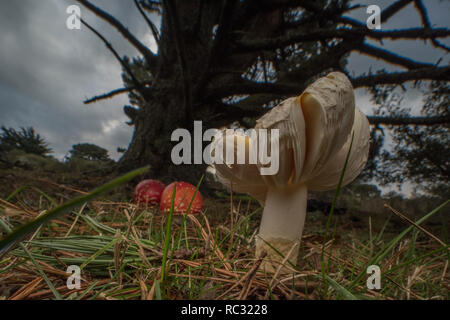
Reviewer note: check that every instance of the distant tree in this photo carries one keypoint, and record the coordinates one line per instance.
(90, 152)
(420, 154)
(26, 140)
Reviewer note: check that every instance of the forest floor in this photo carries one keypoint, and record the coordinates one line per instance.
(125, 251)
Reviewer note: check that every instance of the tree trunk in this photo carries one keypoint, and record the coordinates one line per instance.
(151, 142)
(187, 55)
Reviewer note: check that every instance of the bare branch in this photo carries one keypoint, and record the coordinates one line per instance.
(344, 33)
(426, 23)
(115, 92)
(433, 73)
(392, 57)
(114, 52)
(426, 121)
(149, 22)
(423, 13)
(149, 56)
(107, 95)
(411, 33)
(393, 9)
(284, 89)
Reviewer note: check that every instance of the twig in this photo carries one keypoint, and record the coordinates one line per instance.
(444, 271)
(405, 218)
(26, 289)
(251, 273)
(149, 22)
(151, 294)
(76, 219)
(274, 280)
(146, 52)
(231, 215)
(210, 241)
(108, 95)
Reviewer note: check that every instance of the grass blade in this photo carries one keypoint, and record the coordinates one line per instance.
(22, 231)
(157, 291)
(333, 204)
(36, 264)
(387, 248)
(340, 289)
(167, 237)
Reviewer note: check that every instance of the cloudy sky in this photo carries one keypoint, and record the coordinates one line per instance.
(47, 70)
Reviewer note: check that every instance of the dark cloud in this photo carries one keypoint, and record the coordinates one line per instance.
(48, 70)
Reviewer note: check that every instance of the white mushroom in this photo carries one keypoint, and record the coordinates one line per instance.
(315, 131)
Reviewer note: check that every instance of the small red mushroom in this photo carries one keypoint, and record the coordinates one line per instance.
(148, 192)
(183, 196)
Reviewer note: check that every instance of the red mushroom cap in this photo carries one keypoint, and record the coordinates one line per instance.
(183, 196)
(148, 192)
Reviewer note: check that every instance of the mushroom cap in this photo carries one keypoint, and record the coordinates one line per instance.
(241, 178)
(314, 139)
(148, 191)
(328, 177)
(183, 196)
(288, 118)
(328, 105)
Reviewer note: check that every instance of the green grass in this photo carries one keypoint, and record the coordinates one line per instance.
(22, 231)
(131, 252)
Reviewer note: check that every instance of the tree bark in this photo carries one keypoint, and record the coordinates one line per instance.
(186, 58)
(151, 142)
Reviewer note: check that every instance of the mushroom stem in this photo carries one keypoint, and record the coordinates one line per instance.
(282, 226)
